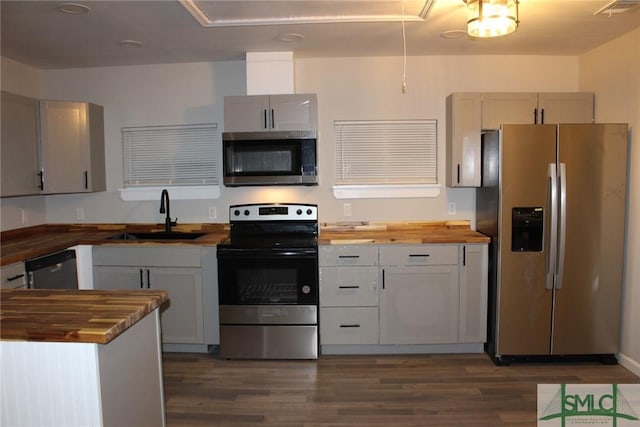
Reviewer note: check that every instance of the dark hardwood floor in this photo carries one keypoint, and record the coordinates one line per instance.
(412, 390)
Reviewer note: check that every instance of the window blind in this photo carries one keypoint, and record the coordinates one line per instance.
(386, 152)
(170, 155)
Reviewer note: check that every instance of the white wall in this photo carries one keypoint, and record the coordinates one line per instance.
(347, 88)
(612, 71)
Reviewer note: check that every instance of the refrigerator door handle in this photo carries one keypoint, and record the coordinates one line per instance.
(562, 225)
(553, 229)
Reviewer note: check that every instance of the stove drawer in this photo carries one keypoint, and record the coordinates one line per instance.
(352, 325)
(269, 341)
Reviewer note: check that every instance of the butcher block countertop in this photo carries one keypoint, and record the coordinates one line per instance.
(32, 242)
(25, 243)
(399, 233)
(86, 316)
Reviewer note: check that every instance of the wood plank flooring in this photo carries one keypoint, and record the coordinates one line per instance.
(340, 391)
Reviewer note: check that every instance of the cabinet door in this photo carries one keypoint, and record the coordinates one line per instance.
(508, 108)
(182, 320)
(419, 305)
(293, 112)
(246, 113)
(473, 294)
(19, 156)
(111, 277)
(63, 138)
(569, 107)
(464, 113)
(72, 147)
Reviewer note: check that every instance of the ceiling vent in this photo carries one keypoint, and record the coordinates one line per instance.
(618, 6)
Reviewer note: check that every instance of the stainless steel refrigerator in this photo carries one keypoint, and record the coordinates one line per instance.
(553, 201)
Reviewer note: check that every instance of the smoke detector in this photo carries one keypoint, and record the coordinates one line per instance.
(618, 6)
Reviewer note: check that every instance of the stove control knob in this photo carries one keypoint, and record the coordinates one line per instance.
(306, 289)
(309, 211)
(299, 211)
(246, 212)
(236, 212)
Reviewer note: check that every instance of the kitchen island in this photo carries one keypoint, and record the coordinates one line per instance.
(80, 358)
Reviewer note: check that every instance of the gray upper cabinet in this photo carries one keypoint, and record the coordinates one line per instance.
(270, 113)
(72, 147)
(536, 108)
(469, 113)
(508, 107)
(566, 107)
(464, 115)
(19, 146)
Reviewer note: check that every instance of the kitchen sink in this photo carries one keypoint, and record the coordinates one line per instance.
(158, 235)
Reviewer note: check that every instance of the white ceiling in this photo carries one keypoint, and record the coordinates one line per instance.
(36, 33)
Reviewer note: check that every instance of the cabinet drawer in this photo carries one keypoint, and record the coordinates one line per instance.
(12, 276)
(419, 255)
(348, 286)
(354, 325)
(348, 255)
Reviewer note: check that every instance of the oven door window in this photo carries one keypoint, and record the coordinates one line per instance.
(264, 281)
(251, 158)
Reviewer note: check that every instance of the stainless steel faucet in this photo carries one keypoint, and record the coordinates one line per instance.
(167, 221)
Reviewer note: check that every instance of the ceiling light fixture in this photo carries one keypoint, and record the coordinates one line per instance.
(73, 8)
(492, 18)
(130, 44)
(290, 37)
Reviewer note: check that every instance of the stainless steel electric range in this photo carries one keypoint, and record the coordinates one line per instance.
(268, 282)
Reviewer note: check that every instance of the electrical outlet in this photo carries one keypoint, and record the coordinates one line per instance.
(213, 213)
(451, 208)
(346, 209)
(80, 214)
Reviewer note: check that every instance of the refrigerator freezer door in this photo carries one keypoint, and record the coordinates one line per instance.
(524, 302)
(587, 302)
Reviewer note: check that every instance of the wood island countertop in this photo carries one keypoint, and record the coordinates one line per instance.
(82, 316)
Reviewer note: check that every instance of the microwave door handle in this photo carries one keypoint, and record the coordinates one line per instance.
(273, 119)
(265, 118)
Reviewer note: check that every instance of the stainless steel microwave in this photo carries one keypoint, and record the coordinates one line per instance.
(269, 158)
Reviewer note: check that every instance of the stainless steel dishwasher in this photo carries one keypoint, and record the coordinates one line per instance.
(55, 271)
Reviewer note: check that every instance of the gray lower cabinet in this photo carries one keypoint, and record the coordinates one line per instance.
(185, 272)
(473, 293)
(389, 296)
(349, 294)
(420, 293)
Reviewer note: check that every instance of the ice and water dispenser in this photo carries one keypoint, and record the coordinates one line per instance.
(527, 229)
